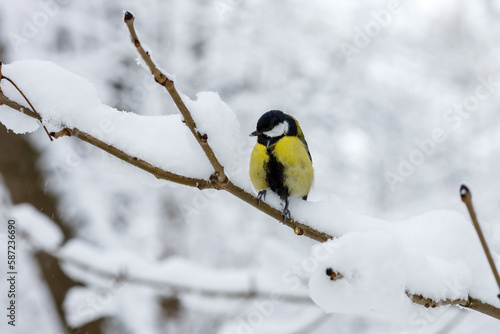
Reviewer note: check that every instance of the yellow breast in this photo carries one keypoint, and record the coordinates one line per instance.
(258, 162)
(298, 169)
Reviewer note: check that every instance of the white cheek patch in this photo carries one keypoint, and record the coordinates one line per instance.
(279, 130)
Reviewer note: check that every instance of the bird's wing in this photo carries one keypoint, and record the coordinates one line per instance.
(301, 136)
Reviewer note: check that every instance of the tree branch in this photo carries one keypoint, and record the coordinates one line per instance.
(164, 286)
(144, 165)
(470, 302)
(467, 199)
(2, 77)
(219, 178)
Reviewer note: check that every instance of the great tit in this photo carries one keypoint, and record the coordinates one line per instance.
(280, 159)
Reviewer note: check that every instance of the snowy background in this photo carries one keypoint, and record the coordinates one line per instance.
(399, 105)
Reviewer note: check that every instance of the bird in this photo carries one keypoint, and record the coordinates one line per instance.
(280, 159)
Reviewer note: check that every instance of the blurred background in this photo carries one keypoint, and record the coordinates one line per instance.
(399, 103)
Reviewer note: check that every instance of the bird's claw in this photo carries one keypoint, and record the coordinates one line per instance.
(261, 196)
(286, 214)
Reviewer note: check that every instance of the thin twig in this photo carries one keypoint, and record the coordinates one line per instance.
(467, 199)
(276, 214)
(27, 100)
(16, 106)
(219, 178)
(144, 165)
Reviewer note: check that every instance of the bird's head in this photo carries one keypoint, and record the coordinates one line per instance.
(273, 125)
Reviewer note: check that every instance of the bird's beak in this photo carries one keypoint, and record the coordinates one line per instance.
(255, 133)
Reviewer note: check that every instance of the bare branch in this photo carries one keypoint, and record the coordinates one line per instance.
(276, 214)
(467, 199)
(219, 178)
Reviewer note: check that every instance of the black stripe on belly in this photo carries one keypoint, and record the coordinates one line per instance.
(275, 176)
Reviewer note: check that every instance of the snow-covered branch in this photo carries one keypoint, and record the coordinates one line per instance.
(161, 173)
(173, 276)
(218, 178)
(144, 165)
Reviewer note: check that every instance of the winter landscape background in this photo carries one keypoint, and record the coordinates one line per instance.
(399, 104)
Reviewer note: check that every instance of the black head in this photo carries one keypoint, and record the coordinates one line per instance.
(273, 125)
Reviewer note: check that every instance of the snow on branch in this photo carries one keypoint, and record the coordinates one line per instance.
(173, 276)
(144, 165)
(219, 178)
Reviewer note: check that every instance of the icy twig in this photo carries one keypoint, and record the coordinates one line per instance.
(467, 199)
(24, 96)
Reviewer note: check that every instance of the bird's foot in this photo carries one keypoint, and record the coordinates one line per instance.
(261, 196)
(286, 214)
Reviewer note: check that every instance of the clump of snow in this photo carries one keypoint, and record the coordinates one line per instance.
(64, 99)
(17, 122)
(372, 276)
(437, 254)
(41, 231)
(215, 119)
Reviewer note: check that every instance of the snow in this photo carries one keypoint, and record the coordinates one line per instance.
(174, 273)
(17, 122)
(32, 293)
(204, 288)
(215, 119)
(436, 254)
(67, 100)
(41, 231)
